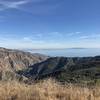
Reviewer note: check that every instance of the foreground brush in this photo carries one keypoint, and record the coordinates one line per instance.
(47, 90)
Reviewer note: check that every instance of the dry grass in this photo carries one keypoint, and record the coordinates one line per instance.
(46, 90)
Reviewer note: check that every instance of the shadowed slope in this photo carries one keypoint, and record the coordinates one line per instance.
(66, 69)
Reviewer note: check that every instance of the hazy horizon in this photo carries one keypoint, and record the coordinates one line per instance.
(49, 48)
(63, 52)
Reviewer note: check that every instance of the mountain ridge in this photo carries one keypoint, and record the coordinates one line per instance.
(12, 60)
(28, 67)
(66, 69)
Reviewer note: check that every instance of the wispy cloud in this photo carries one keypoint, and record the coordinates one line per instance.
(91, 36)
(50, 40)
(31, 6)
(73, 33)
(6, 4)
(22, 42)
(55, 36)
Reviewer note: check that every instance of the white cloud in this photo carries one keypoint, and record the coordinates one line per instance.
(11, 41)
(50, 40)
(15, 4)
(78, 32)
(91, 36)
(73, 33)
(5, 4)
(30, 6)
(27, 39)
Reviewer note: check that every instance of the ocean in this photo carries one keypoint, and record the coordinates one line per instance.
(71, 52)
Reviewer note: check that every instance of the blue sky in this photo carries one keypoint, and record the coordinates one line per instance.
(49, 23)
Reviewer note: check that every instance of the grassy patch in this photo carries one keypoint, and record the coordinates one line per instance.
(47, 90)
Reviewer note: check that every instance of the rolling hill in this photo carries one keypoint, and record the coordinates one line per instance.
(66, 69)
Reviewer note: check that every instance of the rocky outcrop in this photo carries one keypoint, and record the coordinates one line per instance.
(18, 60)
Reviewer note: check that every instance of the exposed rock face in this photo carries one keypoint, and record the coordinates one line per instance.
(17, 60)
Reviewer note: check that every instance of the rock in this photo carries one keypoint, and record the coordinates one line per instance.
(15, 60)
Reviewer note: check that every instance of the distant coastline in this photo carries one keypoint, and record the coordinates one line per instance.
(68, 52)
(58, 48)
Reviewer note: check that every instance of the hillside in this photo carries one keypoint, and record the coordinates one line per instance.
(15, 60)
(15, 64)
(66, 69)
